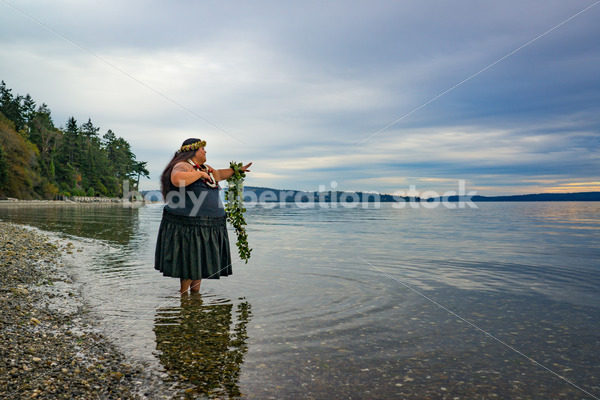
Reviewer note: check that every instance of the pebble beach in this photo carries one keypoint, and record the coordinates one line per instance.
(50, 347)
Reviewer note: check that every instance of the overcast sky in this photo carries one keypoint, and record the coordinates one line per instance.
(308, 90)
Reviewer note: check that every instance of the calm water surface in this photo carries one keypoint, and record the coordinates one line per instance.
(383, 303)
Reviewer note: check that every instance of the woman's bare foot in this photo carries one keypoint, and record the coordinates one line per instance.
(185, 285)
(195, 286)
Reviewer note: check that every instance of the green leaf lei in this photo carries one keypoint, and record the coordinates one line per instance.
(235, 209)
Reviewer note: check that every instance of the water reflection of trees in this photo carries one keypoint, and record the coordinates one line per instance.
(112, 222)
(198, 347)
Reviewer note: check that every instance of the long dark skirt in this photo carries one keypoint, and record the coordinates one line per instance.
(193, 247)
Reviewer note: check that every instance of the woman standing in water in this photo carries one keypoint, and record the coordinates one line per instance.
(192, 240)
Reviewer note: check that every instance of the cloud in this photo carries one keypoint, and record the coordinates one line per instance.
(294, 87)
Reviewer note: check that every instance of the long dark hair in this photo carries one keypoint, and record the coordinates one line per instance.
(165, 178)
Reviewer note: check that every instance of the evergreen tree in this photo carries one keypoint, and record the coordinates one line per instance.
(92, 154)
(70, 142)
(122, 162)
(140, 169)
(35, 155)
(88, 130)
(28, 108)
(45, 136)
(10, 106)
(108, 138)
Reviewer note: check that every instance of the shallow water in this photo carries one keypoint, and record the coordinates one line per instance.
(502, 301)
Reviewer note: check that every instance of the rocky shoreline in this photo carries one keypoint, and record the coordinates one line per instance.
(50, 347)
(68, 202)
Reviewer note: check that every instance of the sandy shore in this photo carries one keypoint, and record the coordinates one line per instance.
(50, 347)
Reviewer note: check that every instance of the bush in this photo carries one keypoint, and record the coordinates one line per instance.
(3, 167)
(50, 190)
(78, 192)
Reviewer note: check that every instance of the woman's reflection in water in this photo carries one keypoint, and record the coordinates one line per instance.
(198, 348)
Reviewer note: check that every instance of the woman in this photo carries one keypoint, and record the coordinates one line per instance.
(192, 240)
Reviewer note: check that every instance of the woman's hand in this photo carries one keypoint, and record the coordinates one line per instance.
(204, 175)
(183, 174)
(223, 174)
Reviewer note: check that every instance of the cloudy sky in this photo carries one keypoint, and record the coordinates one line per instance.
(371, 95)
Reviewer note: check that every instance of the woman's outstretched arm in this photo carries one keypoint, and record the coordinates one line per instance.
(223, 174)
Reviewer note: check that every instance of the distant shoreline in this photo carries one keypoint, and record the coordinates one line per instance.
(270, 195)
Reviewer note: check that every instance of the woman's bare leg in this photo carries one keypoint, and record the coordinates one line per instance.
(185, 285)
(195, 286)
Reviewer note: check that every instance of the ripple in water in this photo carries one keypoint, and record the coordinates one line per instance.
(324, 324)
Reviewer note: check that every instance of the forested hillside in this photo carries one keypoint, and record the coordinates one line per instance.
(39, 160)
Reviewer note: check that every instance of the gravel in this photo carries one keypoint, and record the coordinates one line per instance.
(50, 347)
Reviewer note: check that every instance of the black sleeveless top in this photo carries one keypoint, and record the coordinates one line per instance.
(195, 200)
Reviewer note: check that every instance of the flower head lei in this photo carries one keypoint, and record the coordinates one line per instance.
(192, 146)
